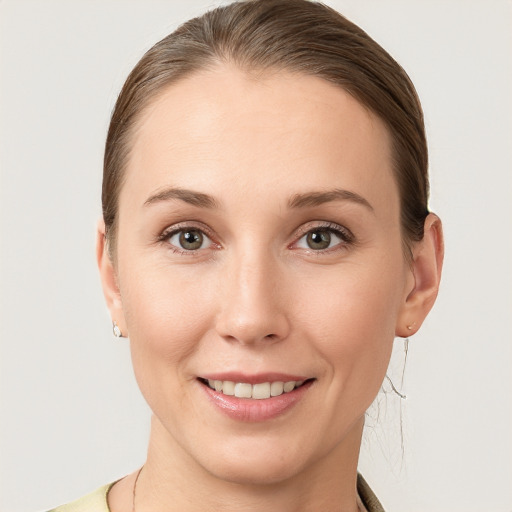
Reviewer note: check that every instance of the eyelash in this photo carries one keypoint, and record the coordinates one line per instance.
(168, 233)
(344, 234)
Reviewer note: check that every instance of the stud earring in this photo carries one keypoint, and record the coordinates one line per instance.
(116, 330)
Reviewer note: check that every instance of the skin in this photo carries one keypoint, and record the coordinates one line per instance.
(255, 297)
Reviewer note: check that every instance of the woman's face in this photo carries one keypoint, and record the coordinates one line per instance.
(259, 242)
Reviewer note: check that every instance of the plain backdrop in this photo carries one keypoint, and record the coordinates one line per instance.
(71, 415)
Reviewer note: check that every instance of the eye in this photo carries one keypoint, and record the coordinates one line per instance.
(189, 239)
(319, 239)
(324, 237)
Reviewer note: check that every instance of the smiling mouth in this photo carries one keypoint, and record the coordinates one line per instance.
(260, 391)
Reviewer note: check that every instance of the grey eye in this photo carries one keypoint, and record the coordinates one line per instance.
(323, 238)
(189, 239)
(319, 239)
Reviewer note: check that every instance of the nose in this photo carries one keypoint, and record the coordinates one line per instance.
(252, 305)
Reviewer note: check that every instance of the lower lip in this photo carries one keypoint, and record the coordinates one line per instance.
(251, 410)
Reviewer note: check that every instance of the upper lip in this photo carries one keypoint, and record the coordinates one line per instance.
(254, 378)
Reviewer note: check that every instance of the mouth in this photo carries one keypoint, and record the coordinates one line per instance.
(257, 391)
(255, 398)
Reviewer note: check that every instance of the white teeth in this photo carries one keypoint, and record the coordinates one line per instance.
(228, 388)
(276, 388)
(259, 391)
(243, 390)
(289, 386)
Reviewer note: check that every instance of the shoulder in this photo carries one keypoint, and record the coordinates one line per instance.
(94, 502)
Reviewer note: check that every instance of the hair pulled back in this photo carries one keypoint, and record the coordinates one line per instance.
(293, 35)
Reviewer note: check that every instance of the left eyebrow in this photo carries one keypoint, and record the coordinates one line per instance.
(319, 198)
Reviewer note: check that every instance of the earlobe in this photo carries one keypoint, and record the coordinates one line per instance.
(426, 270)
(109, 280)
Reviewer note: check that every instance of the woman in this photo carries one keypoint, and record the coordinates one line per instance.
(265, 237)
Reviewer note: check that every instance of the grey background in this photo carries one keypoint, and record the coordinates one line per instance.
(71, 415)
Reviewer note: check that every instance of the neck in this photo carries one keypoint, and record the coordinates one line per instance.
(170, 476)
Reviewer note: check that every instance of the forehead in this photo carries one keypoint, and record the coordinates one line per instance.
(269, 133)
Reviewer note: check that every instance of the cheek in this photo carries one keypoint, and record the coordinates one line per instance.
(163, 303)
(354, 329)
(167, 314)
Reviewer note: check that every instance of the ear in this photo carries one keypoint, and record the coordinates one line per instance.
(109, 281)
(423, 286)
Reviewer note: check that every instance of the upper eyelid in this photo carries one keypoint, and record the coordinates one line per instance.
(307, 227)
(183, 226)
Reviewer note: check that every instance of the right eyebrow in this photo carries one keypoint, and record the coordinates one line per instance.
(192, 197)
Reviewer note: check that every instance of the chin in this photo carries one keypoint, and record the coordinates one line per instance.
(247, 462)
(247, 471)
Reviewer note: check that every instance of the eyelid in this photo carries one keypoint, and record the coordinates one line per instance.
(169, 231)
(326, 225)
(180, 226)
(340, 231)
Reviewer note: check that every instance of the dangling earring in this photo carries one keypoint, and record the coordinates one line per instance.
(393, 387)
(116, 330)
(400, 395)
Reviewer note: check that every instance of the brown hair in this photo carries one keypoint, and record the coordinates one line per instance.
(293, 35)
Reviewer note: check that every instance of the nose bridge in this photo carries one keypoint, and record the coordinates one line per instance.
(252, 306)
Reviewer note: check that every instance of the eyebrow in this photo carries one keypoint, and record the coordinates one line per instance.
(305, 200)
(192, 197)
(319, 198)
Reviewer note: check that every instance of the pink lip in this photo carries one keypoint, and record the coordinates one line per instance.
(250, 410)
(253, 379)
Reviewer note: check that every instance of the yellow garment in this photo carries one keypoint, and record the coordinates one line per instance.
(94, 502)
(97, 501)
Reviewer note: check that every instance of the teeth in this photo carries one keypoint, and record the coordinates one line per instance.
(228, 388)
(276, 388)
(259, 391)
(243, 390)
(289, 386)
